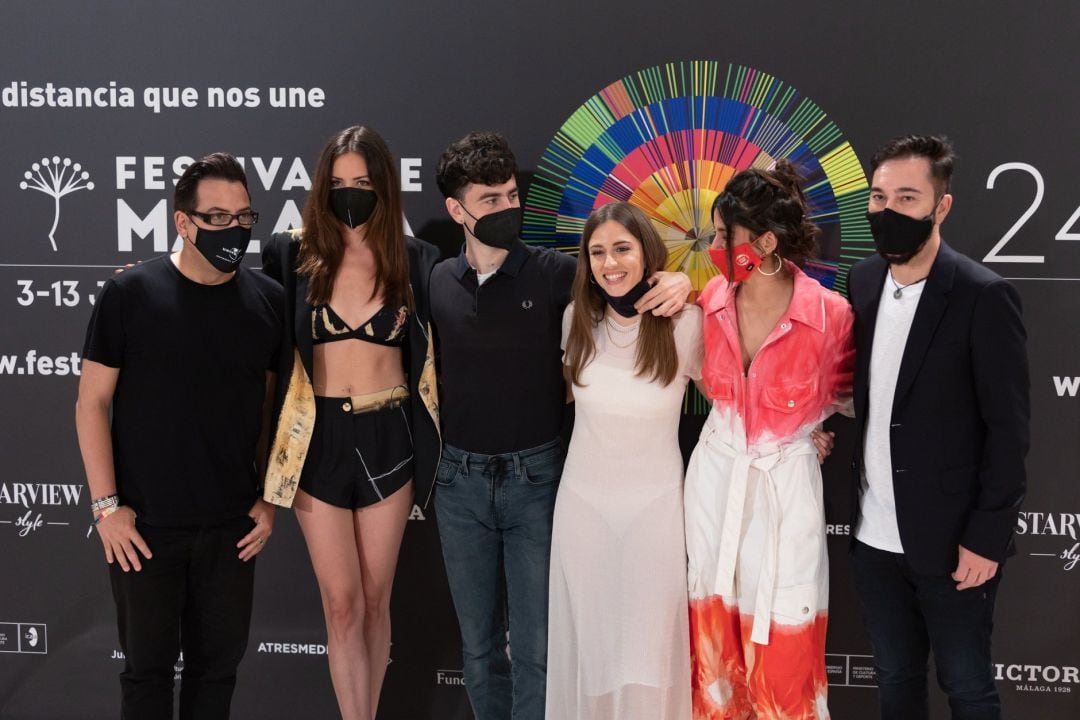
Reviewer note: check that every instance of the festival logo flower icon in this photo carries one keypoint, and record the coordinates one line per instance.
(56, 178)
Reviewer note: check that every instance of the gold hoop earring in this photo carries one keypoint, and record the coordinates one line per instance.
(779, 266)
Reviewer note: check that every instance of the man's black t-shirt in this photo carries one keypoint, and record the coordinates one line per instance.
(187, 410)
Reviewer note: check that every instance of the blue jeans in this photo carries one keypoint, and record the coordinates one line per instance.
(494, 514)
(907, 614)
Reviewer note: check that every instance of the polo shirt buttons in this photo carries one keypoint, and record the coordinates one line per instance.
(791, 403)
(347, 407)
(785, 326)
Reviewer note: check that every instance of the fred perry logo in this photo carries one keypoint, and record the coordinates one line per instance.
(526, 304)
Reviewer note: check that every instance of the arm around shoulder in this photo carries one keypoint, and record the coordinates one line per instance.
(690, 341)
(841, 323)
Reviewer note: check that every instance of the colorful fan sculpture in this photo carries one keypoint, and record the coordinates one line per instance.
(668, 139)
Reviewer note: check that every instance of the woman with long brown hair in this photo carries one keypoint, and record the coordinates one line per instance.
(617, 630)
(357, 415)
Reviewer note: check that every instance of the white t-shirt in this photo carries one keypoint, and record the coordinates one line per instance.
(878, 527)
(481, 278)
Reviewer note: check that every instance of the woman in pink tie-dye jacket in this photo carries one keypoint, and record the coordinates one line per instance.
(778, 361)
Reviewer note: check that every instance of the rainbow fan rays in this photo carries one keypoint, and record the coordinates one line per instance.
(668, 138)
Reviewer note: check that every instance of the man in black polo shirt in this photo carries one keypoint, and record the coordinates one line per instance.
(180, 350)
(497, 309)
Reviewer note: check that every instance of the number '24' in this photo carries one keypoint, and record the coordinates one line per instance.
(1063, 234)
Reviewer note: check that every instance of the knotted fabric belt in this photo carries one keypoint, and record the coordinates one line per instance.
(731, 530)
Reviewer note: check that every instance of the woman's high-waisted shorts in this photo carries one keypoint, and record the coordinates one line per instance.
(361, 448)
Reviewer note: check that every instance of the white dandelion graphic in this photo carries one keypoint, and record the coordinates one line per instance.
(56, 178)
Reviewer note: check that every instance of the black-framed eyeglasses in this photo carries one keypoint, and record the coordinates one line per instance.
(221, 219)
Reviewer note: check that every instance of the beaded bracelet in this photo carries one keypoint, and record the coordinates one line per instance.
(105, 513)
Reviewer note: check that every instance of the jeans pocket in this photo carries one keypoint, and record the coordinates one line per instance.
(545, 470)
(447, 473)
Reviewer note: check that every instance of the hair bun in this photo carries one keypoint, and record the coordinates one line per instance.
(787, 176)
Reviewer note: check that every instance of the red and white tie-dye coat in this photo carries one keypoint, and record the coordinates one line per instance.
(755, 524)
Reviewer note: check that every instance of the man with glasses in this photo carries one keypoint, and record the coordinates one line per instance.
(173, 420)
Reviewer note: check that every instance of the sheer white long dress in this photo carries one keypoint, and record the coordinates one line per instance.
(618, 633)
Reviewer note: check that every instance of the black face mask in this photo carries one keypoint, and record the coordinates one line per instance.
(225, 248)
(353, 206)
(898, 237)
(624, 304)
(499, 229)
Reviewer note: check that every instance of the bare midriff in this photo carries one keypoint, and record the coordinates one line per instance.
(354, 367)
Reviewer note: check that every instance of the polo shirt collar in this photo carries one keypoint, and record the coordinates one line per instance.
(511, 266)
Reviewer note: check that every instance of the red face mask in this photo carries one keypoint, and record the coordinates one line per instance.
(745, 260)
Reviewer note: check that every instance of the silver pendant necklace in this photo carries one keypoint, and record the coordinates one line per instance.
(899, 291)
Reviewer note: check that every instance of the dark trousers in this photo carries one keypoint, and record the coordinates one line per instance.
(194, 596)
(908, 614)
(494, 514)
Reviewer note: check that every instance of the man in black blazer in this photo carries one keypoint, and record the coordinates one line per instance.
(941, 402)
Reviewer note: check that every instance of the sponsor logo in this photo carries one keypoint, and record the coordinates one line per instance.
(837, 529)
(1038, 678)
(850, 670)
(56, 178)
(276, 648)
(21, 504)
(295, 648)
(230, 254)
(139, 219)
(450, 677)
(25, 638)
(1060, 525)
(858, 671)
(417, 513)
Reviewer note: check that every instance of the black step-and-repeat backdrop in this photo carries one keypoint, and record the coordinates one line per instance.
(102, 104)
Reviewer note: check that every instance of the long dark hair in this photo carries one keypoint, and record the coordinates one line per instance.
(322, 247)
(656, 354)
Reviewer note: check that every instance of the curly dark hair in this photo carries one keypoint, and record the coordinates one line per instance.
(935, 148)
(483, 158)
(770, 200)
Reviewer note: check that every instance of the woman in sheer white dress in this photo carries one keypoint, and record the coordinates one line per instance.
(618, 634)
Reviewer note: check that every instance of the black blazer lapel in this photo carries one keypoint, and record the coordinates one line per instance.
(927, 317)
